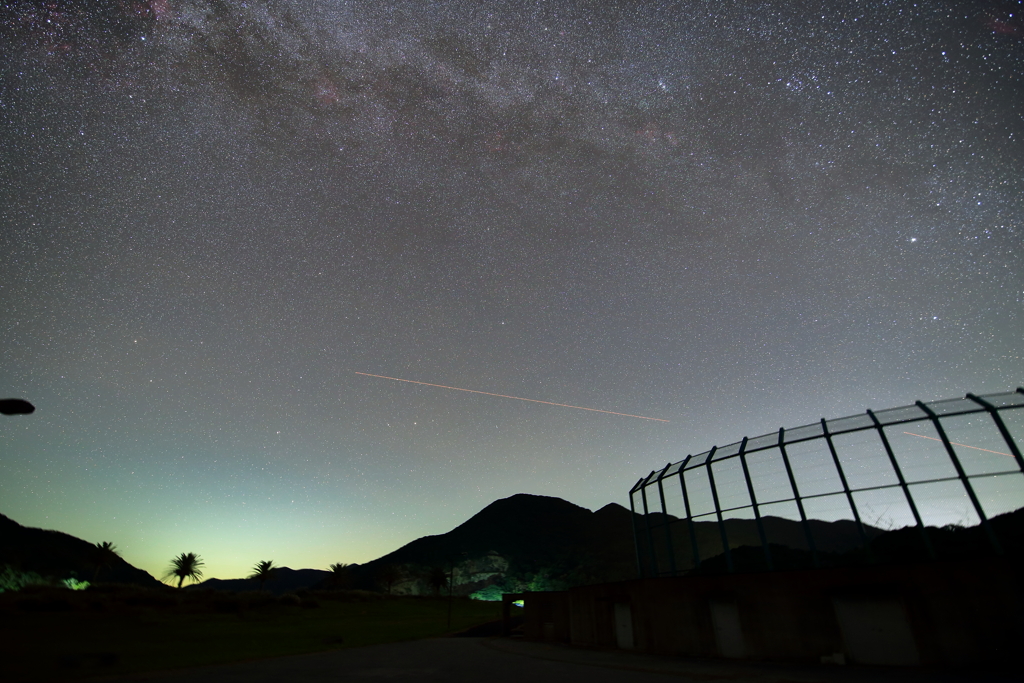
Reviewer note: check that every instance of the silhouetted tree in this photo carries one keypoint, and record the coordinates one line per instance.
(437, 578)
(341, 575)
(185, 566)
(389, 575)
(263, 572)
(103, 556)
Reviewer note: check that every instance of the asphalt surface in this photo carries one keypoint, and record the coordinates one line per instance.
(501, 660)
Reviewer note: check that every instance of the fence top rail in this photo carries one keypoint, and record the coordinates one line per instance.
(853, 423)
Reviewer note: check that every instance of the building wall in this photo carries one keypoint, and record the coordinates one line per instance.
(934, 613)
(547, 616)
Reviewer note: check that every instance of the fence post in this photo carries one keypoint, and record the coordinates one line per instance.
(753, 502)
(963, 476)
(846, 485)
(718, 512)
(668, 528)
(689, 516)
(799, 502)
(903, 485)
(636, 539)
(647, 523)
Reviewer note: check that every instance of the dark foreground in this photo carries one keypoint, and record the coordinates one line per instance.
(501, 660)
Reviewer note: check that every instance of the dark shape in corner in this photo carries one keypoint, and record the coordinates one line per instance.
(16, 406)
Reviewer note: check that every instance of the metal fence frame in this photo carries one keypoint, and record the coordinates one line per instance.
(933, 413)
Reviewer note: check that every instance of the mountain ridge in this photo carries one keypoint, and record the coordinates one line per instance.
(55, 554)
(521, 542)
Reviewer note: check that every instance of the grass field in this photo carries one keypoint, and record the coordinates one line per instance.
(59, 634)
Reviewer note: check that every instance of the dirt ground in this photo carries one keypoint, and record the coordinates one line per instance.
(504, 660)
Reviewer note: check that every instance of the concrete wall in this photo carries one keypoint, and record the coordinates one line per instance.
(935, 613)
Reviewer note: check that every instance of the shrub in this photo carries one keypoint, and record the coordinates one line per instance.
(12, 579)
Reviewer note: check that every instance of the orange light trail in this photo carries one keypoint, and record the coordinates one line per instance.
(518, 398)
(960, 444)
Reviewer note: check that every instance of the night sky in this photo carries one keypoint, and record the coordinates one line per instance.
(732, 216)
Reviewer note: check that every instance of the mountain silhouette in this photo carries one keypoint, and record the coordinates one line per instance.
(514, 542)
(285, 580)
(56, 555)
(546, 543)
(541, 528)
(530, 542)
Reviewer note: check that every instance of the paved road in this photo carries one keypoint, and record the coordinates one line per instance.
(494, 660)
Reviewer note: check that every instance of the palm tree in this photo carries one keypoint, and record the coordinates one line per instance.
(341, 575)
(103, 556)
(185, 566)
(263, 571)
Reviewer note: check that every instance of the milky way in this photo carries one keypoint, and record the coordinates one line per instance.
(732, 216)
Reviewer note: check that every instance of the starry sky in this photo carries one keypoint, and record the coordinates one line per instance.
(731, 216)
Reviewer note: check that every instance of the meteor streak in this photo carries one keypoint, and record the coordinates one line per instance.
(959, 444)
(518, 398)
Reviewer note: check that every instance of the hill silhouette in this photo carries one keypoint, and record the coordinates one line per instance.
(545, 543)
(285, 580)
(56, 555)
(530, 542)
(897, 546)
(524, 540)
(521, 541)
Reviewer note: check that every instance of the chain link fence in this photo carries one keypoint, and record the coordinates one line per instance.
(926, 481)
